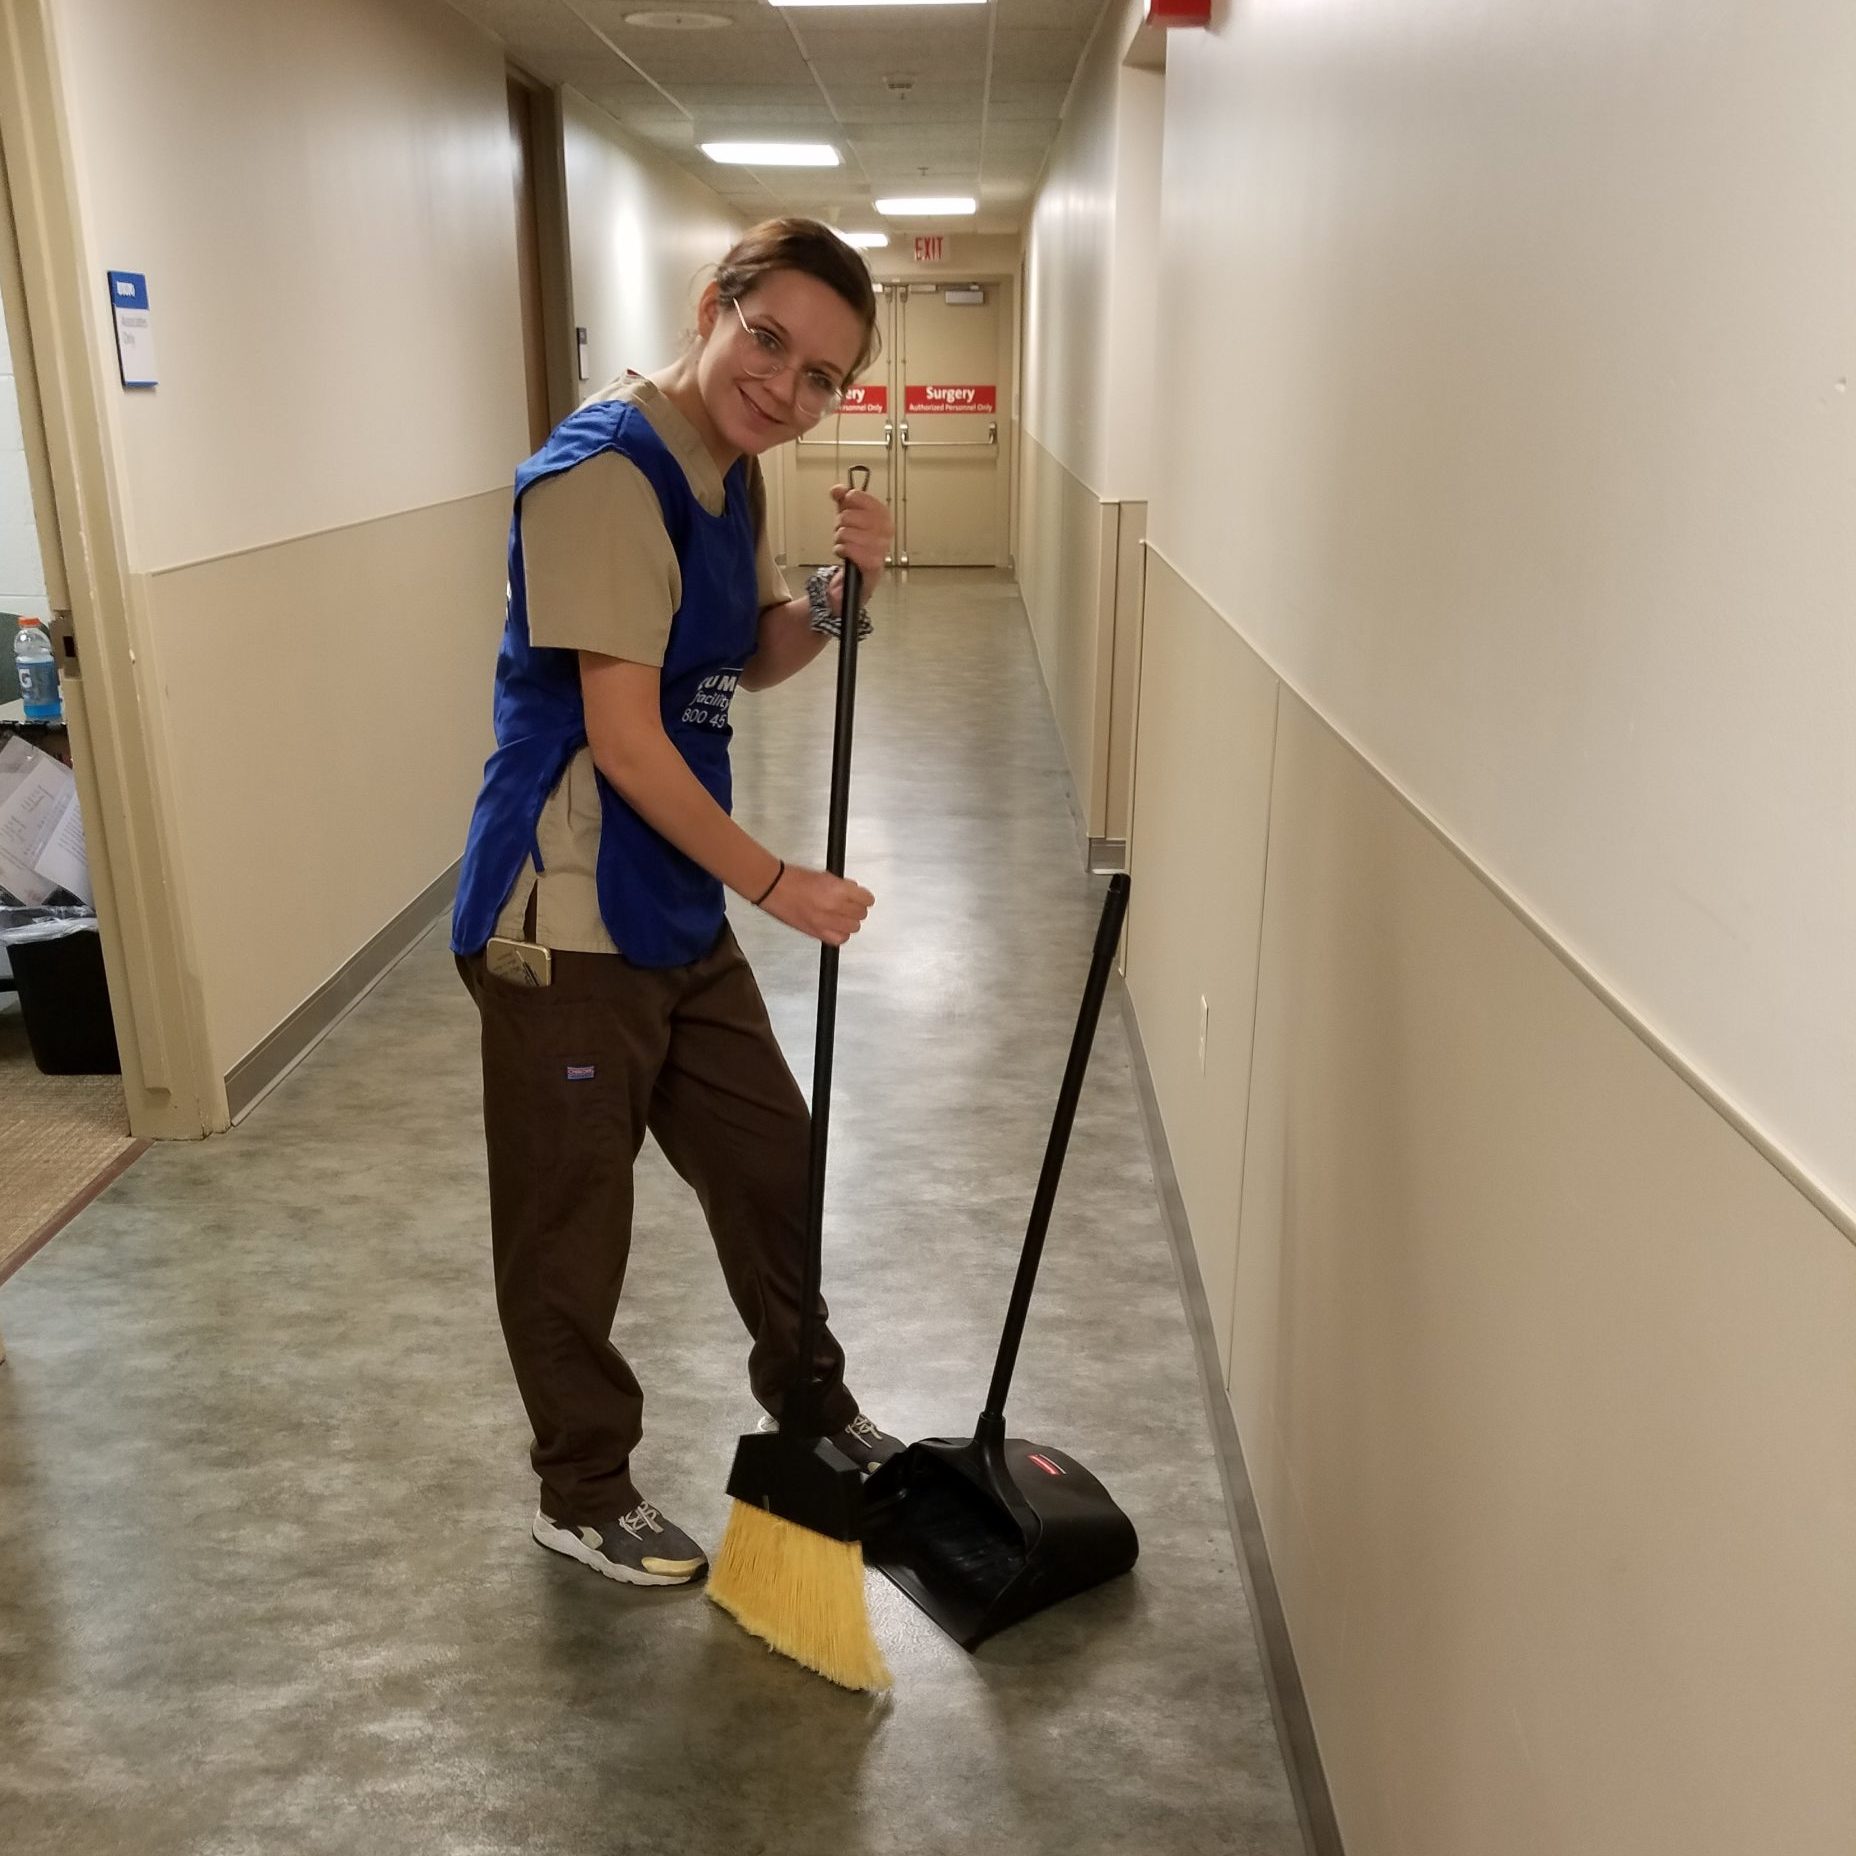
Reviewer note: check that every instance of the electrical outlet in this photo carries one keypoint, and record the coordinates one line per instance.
(1205, 1021)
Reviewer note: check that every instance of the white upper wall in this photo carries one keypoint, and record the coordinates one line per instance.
(644, 236)
(1091, 273)
(1506, 388)
(22, 577)
(320, 196)
(1134, 331)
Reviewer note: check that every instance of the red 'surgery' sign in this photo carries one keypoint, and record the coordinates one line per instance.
(862, 398)
(950, 399)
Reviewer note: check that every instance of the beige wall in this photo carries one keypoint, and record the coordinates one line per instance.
(1091, 272)
(292, 879)
(1124, 671)
(642, 236)
(334, 310)
(313, 497)
(1542, 1370)
(1507, 395)
(1204, 746)
(1066, 566)
(1069, 256)
(1492, 794)
(1088, 430)
(1135, 328)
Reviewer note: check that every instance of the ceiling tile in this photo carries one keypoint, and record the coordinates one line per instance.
(1020, 102)
(1016, 135)
(951, 45)
(747, 98)
(610, 15)
(536, 25)
(1072, 16)
(929, 100)
(753, 79)
(1036, 56)
(764, 64)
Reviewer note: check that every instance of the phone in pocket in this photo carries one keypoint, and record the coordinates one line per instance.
(518, 963)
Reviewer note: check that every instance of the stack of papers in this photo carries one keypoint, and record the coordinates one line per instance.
(41, 830)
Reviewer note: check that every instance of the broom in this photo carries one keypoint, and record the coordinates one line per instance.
(791, 1565)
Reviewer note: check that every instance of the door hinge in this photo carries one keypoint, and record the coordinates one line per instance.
(64, 641)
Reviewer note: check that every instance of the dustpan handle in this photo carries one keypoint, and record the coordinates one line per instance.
(1108, 937)
(799, 1412)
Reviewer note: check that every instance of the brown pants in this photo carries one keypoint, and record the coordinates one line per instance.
(573, 1075)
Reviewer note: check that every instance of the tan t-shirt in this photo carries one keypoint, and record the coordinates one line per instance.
(602, 576)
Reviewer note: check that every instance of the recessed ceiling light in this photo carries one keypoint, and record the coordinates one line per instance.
(927, 206)
(678, 22)
(772, 154)
(864, 241)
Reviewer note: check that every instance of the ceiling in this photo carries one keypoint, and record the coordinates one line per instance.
(930, 99)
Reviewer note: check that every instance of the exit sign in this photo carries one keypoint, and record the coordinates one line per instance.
(930, 250)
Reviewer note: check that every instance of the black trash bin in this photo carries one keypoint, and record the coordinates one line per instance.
(64, 997)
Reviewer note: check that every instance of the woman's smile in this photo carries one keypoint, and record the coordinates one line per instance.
(772, 421)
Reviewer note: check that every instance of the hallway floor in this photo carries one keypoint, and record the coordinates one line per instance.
(266, 1585)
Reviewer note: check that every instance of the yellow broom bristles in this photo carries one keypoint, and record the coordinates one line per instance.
(800, 1591)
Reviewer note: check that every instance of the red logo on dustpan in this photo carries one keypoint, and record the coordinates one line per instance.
(1046, 1465)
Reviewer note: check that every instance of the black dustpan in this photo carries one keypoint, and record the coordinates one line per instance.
(982, 1531)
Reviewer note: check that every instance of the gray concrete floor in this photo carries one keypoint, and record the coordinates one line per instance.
(265, 1578)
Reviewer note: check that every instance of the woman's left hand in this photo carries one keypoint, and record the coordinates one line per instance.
(864, 534)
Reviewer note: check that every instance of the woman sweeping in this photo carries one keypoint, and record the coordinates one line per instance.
(590, 924)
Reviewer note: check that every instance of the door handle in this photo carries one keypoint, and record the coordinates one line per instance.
(850, 444)
(990, 441)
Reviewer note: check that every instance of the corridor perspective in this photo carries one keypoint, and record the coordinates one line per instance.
(1374, 486)
(264, 1559)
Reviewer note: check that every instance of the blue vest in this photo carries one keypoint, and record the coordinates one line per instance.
(661, 909)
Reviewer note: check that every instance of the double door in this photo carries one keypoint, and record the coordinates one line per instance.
(927, 419)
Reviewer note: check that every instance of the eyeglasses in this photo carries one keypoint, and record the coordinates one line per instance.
(816, 394)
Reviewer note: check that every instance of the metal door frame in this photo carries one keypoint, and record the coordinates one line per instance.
(894, 292)
(886, 293)
(100, 617)
(903, 289)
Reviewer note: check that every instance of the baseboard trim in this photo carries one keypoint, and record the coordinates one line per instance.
(1295, 1727)
(1107, 856)
(255, 1075)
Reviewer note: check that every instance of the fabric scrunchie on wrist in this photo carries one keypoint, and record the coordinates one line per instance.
(818, 597)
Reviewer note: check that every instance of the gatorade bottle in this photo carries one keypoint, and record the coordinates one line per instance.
(38, 673)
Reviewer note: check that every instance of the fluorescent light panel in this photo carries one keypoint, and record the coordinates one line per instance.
(864, 241)
(772, 154)
(927, 206)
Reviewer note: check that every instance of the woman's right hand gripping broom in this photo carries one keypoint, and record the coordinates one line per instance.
(828, 908)
(625, 729)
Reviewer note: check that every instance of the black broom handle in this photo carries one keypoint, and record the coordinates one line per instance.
(802, 1414)
(1108, 935)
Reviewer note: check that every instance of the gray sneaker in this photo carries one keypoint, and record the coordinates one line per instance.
(860, 1443)
(640, 1548)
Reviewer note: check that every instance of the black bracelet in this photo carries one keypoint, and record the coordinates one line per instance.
(771, 887)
